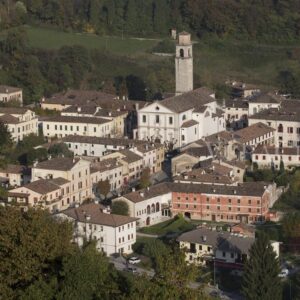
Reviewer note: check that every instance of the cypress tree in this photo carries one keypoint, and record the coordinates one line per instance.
(261, 279)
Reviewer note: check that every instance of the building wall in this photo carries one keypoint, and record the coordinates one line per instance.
(148, 211)
(28, 124)
(54, 201)
(109, 239)
(14, 96)
(196, 257)
(269, 160)
(220, 207)
(79, 176)
(255, 108)
(288, 137)
(15, 179)
(62, 129)
(184, 69)
(115, 177)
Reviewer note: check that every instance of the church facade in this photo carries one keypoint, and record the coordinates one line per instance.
(186, 117)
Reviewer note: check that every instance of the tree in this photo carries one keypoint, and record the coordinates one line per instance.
(291, 230)
(281, 167)
(145, 178)
(174, 275)
(5, 138)
(120, 208)
(31, 247)
(261, 279)
(103, 187)
(87, 275)
(60, 149)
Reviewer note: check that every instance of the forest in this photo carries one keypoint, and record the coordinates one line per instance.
(254, 41)
(268, 20)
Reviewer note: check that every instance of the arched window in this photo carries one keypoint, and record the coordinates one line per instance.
(183, 117)
(280, 128)
(181, 53)
(157, 206)
(148, 210)
(153, 208)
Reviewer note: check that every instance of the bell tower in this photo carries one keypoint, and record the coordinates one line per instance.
(184, 64)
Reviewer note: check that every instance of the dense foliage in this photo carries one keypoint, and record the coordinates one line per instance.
(39, 261)
(255, 19)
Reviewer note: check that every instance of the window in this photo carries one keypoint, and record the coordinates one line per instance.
(170, 120)
(256, 157)
(264, 157)
(144, 119)
(249, 209)
(238, 201)
(276, 157)
(207, 207)
(298, 130)
(290, 129)
(290, 143)
(229, 200)
(249, 201)
(181, 53)
(218, 200)
(183, 117)
(280, 128)
(224, 254)
(157, 119)
(218, 207)
(47, 126)
(290, 158)
(232, 255)
(182, 137)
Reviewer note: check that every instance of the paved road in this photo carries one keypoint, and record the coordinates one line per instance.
(120, 264)
(140, 234)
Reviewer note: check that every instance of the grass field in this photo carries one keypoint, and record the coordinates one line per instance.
(54, 39)
(215, 61)
(175, 225)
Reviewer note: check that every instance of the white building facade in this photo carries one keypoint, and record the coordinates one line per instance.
(112, 233)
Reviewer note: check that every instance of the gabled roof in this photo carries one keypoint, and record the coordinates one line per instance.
(266, 98)
(223, 241)
(190, 100)
(13, 110)
(148, 193)
(4, 89)
(14, 169)
(93, 213)
(9, 119)
(58, 163)
(71, 119)
(45, 186)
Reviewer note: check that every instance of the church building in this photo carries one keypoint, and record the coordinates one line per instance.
(186, 117)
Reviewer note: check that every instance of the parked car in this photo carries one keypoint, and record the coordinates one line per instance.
(131, 270)
(284, 273)
(134, 260)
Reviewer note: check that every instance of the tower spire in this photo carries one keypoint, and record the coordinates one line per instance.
(184, 63)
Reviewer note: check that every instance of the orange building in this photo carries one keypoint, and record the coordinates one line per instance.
(247, 202)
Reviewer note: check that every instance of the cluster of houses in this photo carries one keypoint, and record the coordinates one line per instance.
(116, 139)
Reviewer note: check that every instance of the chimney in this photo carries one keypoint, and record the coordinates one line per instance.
(76, 204)
(6, 91)
(142, 194)
(49, 157)
(204, 238)
(148, 188)
(35, 163)
(133, 189)
(109, 114)
(78, 109)
(88, 217)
